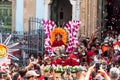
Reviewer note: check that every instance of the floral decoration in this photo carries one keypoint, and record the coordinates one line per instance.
(72, 28)
(70, 39)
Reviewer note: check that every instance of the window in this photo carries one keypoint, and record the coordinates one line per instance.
(9, 20)
(0, 11)
(61, 15)
(6, 13)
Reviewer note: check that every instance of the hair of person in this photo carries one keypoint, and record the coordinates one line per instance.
(96, 52)
(100, 57)
(22, 71)
(114, 73)
(15, 76)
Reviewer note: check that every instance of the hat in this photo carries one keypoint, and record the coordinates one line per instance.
(31, 73)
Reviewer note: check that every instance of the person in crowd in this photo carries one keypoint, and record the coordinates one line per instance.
(100, 73)
(3, 75)
(114, 73)
(16, 76)
(31, 75)
(90, 54)
(81, 73)
(32, 58)
(74, 58)
(66, 75)
(105, 46)
(95, 58)
(22, 71)
(64, 60)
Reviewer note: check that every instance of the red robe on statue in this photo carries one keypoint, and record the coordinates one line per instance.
(57, 43)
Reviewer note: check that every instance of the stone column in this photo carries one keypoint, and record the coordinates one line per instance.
(82, 16)
(13, 14)
(47, 9)
(73, 3)
(29, 11)
(78, 5)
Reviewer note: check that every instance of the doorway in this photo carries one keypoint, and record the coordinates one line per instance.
(61, 12)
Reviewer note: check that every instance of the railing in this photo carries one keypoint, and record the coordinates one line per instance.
(35, 36)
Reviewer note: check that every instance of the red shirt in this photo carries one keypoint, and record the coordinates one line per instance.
(89, 55)
(41, 77)
(73, 60)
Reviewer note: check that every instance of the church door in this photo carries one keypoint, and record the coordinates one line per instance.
(61, 11)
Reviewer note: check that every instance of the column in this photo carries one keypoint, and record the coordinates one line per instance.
(99, 12)
(13, 14)
(29, 11)
(82, 16)
(73, 3)
(88, 17)
(47, 9)
(78, 9)
(19, 16)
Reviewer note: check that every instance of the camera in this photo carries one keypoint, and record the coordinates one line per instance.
(97, 66)
(104, 65)
(68, 71)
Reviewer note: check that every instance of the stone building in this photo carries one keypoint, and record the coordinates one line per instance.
(60, 11)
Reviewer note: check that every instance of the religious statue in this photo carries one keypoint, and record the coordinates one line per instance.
(58, 39)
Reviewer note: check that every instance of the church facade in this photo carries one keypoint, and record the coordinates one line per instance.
(60, 11)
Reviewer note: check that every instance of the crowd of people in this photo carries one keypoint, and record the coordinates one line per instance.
(95, 60)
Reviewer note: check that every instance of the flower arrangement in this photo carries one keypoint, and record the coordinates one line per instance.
(46, 68)
(60, 31)
(59, 68)
(71, 39)
(74, 69)
(72, 28)
(48, 27)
